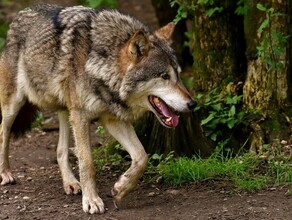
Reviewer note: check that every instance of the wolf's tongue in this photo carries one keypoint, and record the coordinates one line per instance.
(168, 113)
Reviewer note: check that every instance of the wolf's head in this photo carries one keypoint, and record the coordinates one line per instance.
(150, 74)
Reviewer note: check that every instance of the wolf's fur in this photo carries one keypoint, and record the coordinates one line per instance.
(88, 65)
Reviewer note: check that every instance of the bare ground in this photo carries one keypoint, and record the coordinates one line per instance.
(38, 193)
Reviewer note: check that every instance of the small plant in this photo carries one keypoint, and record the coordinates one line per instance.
(109, 157)
(156, 160)
(39, 120)
(278, 157)
(273, 45)
(241, 8)
(189, 7)
(224, 113)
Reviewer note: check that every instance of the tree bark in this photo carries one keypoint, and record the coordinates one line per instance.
(218, 46)
(268, 90)
(186, 139)
(166, 14)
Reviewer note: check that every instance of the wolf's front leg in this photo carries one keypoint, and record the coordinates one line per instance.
(125, 134)
(5, 174)
(91, 202)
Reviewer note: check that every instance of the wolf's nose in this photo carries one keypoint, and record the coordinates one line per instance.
(192, 104)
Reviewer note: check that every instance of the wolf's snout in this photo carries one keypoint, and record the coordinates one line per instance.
(192, 104)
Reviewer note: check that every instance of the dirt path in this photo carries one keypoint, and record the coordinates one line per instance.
(38, 193)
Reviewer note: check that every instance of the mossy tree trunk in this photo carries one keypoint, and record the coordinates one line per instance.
(267, 87)
(218, 46)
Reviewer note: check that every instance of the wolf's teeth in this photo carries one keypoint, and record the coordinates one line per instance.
(156, 100)
(168, 119)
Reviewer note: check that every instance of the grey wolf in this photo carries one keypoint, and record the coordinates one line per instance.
(88, 65)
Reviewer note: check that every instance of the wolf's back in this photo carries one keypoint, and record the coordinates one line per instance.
(48, 44)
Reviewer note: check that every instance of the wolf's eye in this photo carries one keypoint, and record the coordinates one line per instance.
(165, 76)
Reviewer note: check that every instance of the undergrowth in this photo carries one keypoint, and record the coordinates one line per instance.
(272, 166)
(247, 172)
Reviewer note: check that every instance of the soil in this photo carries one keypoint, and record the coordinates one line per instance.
(38, 192)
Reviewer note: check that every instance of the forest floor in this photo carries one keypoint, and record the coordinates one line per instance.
(38, 192)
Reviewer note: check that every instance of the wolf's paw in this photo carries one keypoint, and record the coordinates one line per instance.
(72, 187)
(121, 189)
(6, 178)
(93, 205)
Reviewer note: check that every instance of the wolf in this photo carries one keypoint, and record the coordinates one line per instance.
(88, 65)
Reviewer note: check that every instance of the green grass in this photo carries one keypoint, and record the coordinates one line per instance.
(248, 172)
(272, 166)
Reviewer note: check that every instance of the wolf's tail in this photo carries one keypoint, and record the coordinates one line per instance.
(23, 121)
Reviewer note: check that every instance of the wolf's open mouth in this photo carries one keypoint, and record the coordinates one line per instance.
(163, 111)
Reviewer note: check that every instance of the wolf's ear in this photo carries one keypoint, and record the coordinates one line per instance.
(138, 45)
(165, 32)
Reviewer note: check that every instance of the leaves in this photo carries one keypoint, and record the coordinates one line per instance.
(208, 119)
(263, 25)
(99, 3)
(273, 43)
(241, 8)
(261, 7)
(223, 113)
(2, 43)
(211, 11)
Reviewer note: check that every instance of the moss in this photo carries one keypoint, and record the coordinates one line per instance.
(272, 125)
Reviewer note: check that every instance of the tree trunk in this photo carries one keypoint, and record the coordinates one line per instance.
(218, 46)
(267, 88)
(166, 14)
(186, 139)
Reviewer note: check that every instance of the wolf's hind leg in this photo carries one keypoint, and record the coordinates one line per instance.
(70, 183)
(9, 112)
(125, 134)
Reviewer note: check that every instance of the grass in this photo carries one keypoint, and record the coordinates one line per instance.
(248, 172)
(272, 166)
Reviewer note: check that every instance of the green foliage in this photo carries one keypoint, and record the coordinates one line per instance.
(2, 43)
(278, 159)
(3, 31)
(155, 161)
(273, 46)
(224, 112)
(187, 7)
(109, 157)
(248, 172)
(100, 3)
(241, 8)
(100, 131)
(39, 120)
